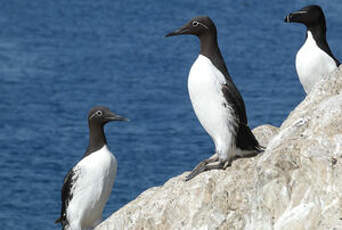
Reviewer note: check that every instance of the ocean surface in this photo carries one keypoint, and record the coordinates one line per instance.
(60, 58)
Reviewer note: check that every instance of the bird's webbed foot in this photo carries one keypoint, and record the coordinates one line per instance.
(206, 165)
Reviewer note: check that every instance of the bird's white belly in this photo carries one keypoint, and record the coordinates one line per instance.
(93, 187)
(209, 104)
(312, 63)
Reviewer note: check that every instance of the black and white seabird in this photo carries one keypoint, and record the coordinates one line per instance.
(314, 59)
(216, 101)
(88, 184)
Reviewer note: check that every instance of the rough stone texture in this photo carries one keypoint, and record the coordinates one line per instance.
(294, 184)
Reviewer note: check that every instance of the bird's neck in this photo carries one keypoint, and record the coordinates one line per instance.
(97, 138)
(318, 32)
(211, 50)
(209, 45)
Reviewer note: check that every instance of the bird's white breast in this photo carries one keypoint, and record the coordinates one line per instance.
(212, 110)
(95, 179)
(312, 63)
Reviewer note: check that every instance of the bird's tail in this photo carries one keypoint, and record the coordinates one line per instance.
(260, 148)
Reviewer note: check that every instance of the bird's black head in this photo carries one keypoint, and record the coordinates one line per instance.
(310, 16)
(100, 115)
(199, 26)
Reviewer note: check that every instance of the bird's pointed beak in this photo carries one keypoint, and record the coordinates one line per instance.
(295, 16)
(115, 117)
(183, 30)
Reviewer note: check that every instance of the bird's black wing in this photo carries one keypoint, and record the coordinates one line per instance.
(67, 194)
(230, 92)
(245, 139)
(234, 99)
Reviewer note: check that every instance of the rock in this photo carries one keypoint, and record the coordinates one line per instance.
(264, 133)
(294, 184)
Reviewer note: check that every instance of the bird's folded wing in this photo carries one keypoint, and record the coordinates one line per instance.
(234, 99)
(67, 192)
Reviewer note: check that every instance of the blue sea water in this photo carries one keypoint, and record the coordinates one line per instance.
(60, 58)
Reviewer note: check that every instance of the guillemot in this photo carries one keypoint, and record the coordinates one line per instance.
(216, 101)
(88, 184)
(314, 59)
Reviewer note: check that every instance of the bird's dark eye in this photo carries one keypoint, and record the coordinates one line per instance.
(195, 23)
(99, 113)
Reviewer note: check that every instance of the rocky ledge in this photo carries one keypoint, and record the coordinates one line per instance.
(295, 184)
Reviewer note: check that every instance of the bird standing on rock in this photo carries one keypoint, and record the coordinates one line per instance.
(88, 184)
(314, 59)
(216, 101)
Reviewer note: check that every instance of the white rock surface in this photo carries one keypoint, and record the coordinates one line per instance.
(295, 184)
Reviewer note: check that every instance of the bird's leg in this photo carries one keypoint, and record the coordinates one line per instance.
(201, 167)
(227, 164)
(213, 158)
